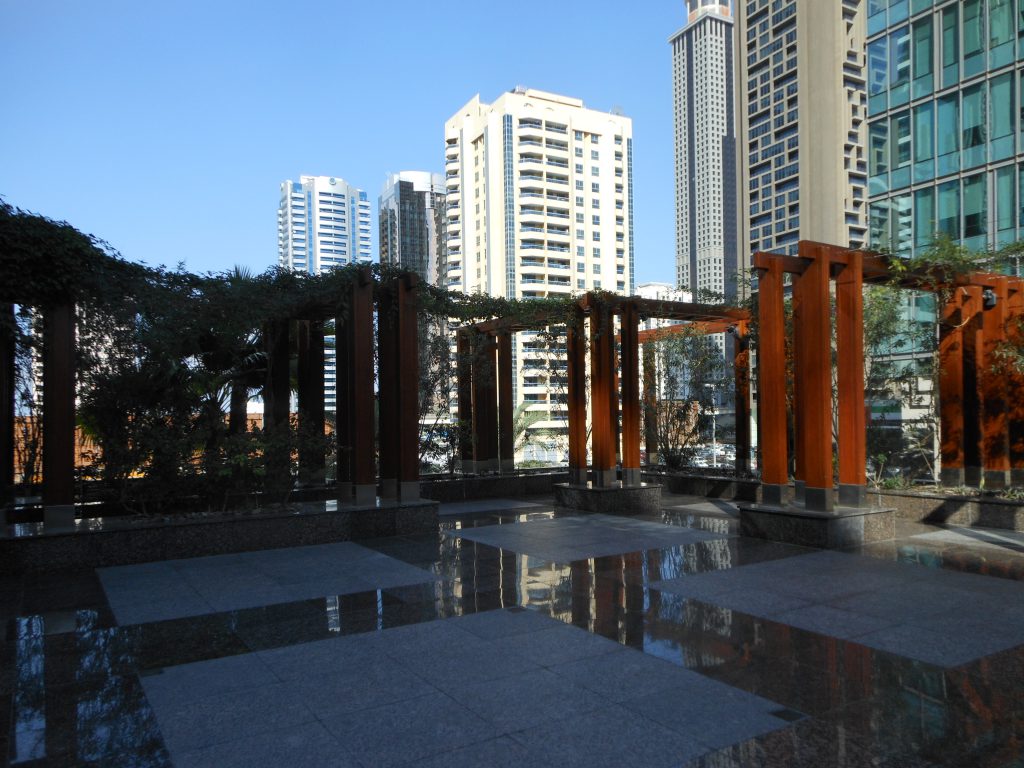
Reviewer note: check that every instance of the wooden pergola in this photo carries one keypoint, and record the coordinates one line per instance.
(357, 403)
(485, 378)
(982, 418)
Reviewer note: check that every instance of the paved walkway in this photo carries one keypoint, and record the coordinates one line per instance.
(522, 636)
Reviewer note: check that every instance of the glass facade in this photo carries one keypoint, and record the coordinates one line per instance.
(945, 139)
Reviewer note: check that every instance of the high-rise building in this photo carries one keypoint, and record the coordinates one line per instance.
(411, 231)
(540, 203)
(801, 98)
(322, 222)
(705, 149)
(944, 123)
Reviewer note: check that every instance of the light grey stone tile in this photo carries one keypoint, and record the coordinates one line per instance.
(176, 687)
(626, 674)
(502, 752)
(230, 716)
(833, 622)
(493, 625)
(304, 660)
(711, 713)
(558, 645)
(940, 649)
(172, 607)
(396, 734)
(347, 689)
(524, 700)
(299, 746)
(611, 737)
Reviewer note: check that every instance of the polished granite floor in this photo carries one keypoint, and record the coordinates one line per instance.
(523, 636)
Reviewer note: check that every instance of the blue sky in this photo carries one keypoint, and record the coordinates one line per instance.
(166, 128)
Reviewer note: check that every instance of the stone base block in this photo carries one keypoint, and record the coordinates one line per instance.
(630, 500)
(841, 528)
(391, 519)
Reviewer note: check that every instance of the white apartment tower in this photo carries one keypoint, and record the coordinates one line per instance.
(800, 89)
(322, 222)
(540, 203)
(705, 150)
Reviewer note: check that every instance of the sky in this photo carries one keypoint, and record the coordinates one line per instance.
(166, 128)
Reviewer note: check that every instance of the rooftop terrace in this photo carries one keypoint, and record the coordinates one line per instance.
(523, 635)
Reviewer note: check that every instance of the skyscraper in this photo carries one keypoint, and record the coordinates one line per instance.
(322, 222)
(944, 123)
(540, 203)
(802, 107)
(705, 149)
(412, 223)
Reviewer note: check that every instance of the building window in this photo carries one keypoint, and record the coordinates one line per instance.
(924, 217)
(948, 218)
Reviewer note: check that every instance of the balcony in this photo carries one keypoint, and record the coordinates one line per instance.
(557, 178)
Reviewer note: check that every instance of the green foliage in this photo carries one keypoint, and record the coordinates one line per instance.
(689, 369)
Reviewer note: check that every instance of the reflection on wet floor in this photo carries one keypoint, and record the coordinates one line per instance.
(72, 680)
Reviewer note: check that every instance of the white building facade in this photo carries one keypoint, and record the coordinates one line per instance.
(539, 203)
(705, 151)
(323, 222)
(802, 109)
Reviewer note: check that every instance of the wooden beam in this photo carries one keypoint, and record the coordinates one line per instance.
(993, 385)
(814, 402)
(277, 405)
(850, 353)
(311, 402)
(8, 353)
(951, 390)
(576, 351)
(408, 356)
(602, 362)
(364, 469)
(485, 404)
(59, 414)
(771, 370)
(506, 406)
(741, 375)
(464, 374)
(973, 342)
(1015, 383)
(388, 392)
(630, 397)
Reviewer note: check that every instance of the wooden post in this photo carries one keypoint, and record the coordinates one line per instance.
(630, 396)
(602, 363)
(361, 398)
(799, 373)
(1015, 385)
(650, 403)
(59, 414)
(7, 387)
(277, 406)
(387, 405)
(576, 352)
(464, 373)
(408, 356)
(771, 371)
(741, 373)
(973, 343)
(485, 404)
(814, 403)
(311, 402)
(993, 386)
(850, 350)
(506, 408)
(951, 390)
(344, 426)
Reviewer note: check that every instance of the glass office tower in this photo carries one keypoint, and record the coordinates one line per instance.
(944, 125)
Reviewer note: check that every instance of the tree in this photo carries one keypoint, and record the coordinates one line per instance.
(689, 370)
